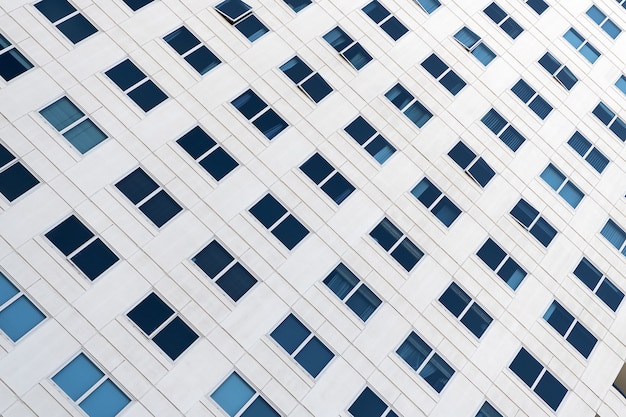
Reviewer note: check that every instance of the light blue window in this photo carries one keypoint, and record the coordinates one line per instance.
(503, 129)
(610, 120)
(572, 330)
(18, 315)
(581, 45)
(590, 153)
(444, 74)
(501, 263)
(425, 361)
(559, 183)
(560, 72)
(487, 410)
(90, 388)
(73, 124)
(369, 138)
(615, 235)
(408, 104)
(530, 97)
(621, 83)
(429, 6)
(599, 284)
(348, 48)
(352, 291)
(435, 201)
(235, 395)
(604, 22)
(474, 45)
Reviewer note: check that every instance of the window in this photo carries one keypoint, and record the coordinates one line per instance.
(474, 45)
(161, 324)
(86, 250)
(559, 71)
(348, 48)
(15, 178)
(604, 22)
(396, 244)
(564, 187)
(192, 50)
(260, 114)
(373, 142)
(90, 388)
(352, 291)
(408, 104)
(529, 96)
(327, 177)
(502, 19)
(311, 83)
(579, 43)
(226, 271)
(538, 378)
(620, 381)
(73, 124)
(429, 6)
(150, 198)
(472, 164)
(539, 6)
(611, 120)
(300, 343)
(239, 14)
(503, 129)
(599, 284)
(12, 62)
(621, 82)
(18, 315)
(590, 153)
(487, 410)
(279, 221)
(435, 201)
(501, 263)
(444, 74)
(575, 333)
(137, 4)
(425, 361)
(465, 309)
(136, 85)
(615, 235)
(622, 2)
(368, 404)
(67, 19)
(212, 157)
(383, 18)
(529, 217)
(235, 395)
(297, 5)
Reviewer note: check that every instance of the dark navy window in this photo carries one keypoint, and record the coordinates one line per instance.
(15, 178)
(86, 250)
(408, 104)
(501, 263)
(539, 6)
(368, 404)
(192, 50)
(137, 4)
(301, 344)
(425, 361)
(327, 177)
(239, 14)
(212, 157)
(579, 43)
(502, 19)
(564, 187)
(529, 217)
(348, 48)
(435, 201)
(611, 120)
(603, 21)
(575, 333)
(396, 244)
(369, 138)
(475, 166)
(18, 315)
(560, 72)
(597, 282)
(279, 221)
(311, 83)
(136, 85)
(463, 307)
(235, 394)
(429, 6)
(474, 45)
(297, 5)
(67, 19)
(260, 114)
(530, 97)
(487, 410)
(352, 291)
(503, 129)
(444, 74)
(383, 18)
(161, 324)
(12, 62)
(590, 153)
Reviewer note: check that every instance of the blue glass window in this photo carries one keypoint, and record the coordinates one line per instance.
(212, 157)
(240, 15)
(18, 315)
(503, 129)
(279, 221)
(393, 241)
(475, 166)
(136, 85)
(369, 404)
(435, 201)
(529, 96)
(564, 187)
(502, 19)
(327, 177)
(352, 291)
(501, 263)
(67, 19)
(474, 45)
(560, 72)
(599, 284)
(610, 120)
(603, 21)
(137, 4)
(425, 361)
(529, 217)
(444, 74)
(348, 48)
(369, 138)
(579, 43)
(383, 18)
(463, 307)
(408, 104)
(259, 114)
(574, 332)
(590, 153)
(621, 82)
(615, 235)
(429, 6)
(15, 178)
(297, 5)
(234, 394)
(487, 410)
(311, 83)
(192, 50)
(12, 62)
(539, 6)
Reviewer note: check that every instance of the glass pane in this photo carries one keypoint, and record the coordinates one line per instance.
(12, 64)
(85, 135)
(523, 91)
(19, 317)
(418, 114)
(597, 160)
(621, 82)
(78, 376)
(55, 9)
(196, 142)
(407, 254)
(249, 104)
(494, 121)
(296, 69)
(213, 259)
(150, 313)
(69, 235)
(511, 27)
(203, 60)
(434, 65)
(495, 13)
(526, 367)
(582, 339)
(551, 390)
(363, 302)
(297, 5)
(367, 404)
(147, 95)
(455, 299)
(610, 294)
(452, 82)
(611, 29)
(236, 281)
(414, 351)
(317, 168)
(602, 112)
(218, 163)
(268, 210)
(477, 320)
(579, 143)
(160, 208)
(233, 394)
(524, 213)
(541, 107)
(481, 172)
(260, 408)
(491, 254)
(386, 234)
(360, 130)
(590, 52)
(429, 5)
(488, 411)
(290, 232)
(290, 333)
(252, 28)
(94, 259)
(341, 281)
(376, 11)
(553, 176)
(175, 338)
(316, 87)
(181, 40)
(574, 38)
(125, 74)
(466, 37)
(394, 28)
(270, 124)
(7, 289)
(512, 273)
(357, 56)
(77, 28)
(483, 54)
(559, 318)
(549, 63)
(426, 192)
(399, 96)
(61, 113)
(462, 155)
(614, 234)
(15, 181)
(338, 188)
(437, 372)
(567, 78)
(380, 149)
(314, 356)
(588, 273)
(619, 128)
(338, 39)
(596, 15)
(571, 194)
(106, 401)
(233, 9)
(446, 211)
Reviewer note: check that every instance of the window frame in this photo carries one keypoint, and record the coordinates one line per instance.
(398, 244)
(512, 29)
(302, 83)
(538, 221)
(538, 6)
(446, 76)
(261, 114)
(333, 175)
(506, 132)
(602, 280)
(370, 142)
(360, 285)
(367, 406)
(64, 19)
(471, 305)
(535, 101)
(557, 73)
(159, 95)
(570, 328)
(439, 205)
(591, 152)
(241, 18)
(409, 106)
(506, 264)
(212, 151)
(428, 6)
(351, 44)
(388, 19)
(476, 161)
(565, 185)
(475, 47)
(280, 220)
(584, 44)
(199, 46)
(603, 22)
(245, 405)
(615, 124)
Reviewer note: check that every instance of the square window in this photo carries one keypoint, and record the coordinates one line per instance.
(15, 180)
(18, 315)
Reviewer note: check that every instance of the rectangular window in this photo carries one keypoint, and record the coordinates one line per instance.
(529, 217)
(474, 45)
(429, 6)
(369, 404)
(237, 398)
(279, 221)
(352, 291)
(149, 197)
(297, 5)
(563, 186)
(90, 388)
(579, 43)
(503, 129)
(73, 124)
(615, 235)
(12, 62)
(538, 378)
(408, 104)
(435, 201)
(610, 120)
(383, 18)
(396, 244)
(502, 19)
(539, 6)
(599, 284)
(559, 71)
(192, 50)
(590, 153)
(369, 138)
(463, 307)
(15, 178)
(530, 97)
(18, 315)
(136, 85)
(487, 410)
(311, 83)
(86, 250)
(67, 19)
(575, 333)
(229, 274)
(204, 150)
(162, 325)
(444, 74)
(348, 48)
(621, 82)
(425, 361)
(302, 345)
(622, 2)
(240, 15)
(335, 185)
(137, 4)
(253, 108)
(603, 21)
(501, 263)
(472, 164)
